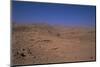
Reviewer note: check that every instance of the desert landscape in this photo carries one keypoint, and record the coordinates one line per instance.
(43, 44)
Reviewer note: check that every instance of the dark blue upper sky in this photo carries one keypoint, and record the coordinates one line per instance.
(70, 15)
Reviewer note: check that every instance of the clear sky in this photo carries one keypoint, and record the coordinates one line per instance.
(63, 14)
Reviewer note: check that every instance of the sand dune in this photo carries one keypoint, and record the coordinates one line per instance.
(41, 44)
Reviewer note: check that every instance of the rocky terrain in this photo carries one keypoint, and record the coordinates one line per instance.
(42, 44)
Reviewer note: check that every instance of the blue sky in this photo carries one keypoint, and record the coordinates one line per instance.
(61, 14)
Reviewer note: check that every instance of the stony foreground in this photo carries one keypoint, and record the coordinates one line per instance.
(42, 44)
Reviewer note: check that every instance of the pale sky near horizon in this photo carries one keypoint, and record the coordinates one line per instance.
(62, 14)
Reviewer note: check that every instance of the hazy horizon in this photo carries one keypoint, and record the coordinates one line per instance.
(54, 14)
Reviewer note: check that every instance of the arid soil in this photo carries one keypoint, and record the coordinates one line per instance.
(42, 44)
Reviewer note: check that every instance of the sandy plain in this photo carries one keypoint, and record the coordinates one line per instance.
(43, 44)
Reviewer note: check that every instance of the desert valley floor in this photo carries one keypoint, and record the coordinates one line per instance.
(42, 44)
